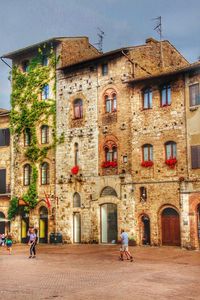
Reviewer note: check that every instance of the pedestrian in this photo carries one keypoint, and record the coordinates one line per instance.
(32, 242)
(3, 238)
(124, 246)
(8, 242)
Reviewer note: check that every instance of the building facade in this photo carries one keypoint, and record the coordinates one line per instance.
(129, 153)
(5, 156)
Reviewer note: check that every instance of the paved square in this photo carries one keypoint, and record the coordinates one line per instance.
(94, 272)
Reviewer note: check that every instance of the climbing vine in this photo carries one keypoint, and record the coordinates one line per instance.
(28, 111)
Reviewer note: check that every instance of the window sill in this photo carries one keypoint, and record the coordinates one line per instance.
(193, 108)
(165, 105)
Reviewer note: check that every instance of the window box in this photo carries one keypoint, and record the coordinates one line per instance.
(109, 164)
(171, 162)
(147, 164)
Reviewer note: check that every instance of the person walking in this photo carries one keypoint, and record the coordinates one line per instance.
(124, 246)
(32, 242)
(8, 242)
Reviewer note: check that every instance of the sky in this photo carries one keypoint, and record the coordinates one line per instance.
(125, 23)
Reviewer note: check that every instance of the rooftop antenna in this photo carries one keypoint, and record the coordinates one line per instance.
(100, 34)
(159, 30)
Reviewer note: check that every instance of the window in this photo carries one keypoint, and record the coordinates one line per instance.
(25, 66)
(27, 137)
(27, 174)
(195, 157)
(76, 200)
(4, 137)
(2, 181)
(76, 154)
(194, 94)
(166, 95)
(143, 193)
(45, 92)
(147, 99)
(45, 60)
(147, 152)
(170, 150)
(110, 153)
(78, 109)
(104, 69)
(45, 134)
(110, 99)
(45, 173)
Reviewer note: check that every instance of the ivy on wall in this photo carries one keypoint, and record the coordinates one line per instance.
(28, 111)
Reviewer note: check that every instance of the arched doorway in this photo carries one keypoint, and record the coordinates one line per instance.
(109, 223)
(145, 230)
(24, 227)
(170, 227)
(198, 223)
(2, 223)
(43, 230)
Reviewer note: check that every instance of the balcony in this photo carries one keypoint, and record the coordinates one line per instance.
(5, 190)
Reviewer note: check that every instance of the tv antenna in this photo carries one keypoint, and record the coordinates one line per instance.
(100, 34)
(158, 27)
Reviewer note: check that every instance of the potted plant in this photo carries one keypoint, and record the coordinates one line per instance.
(132, 241)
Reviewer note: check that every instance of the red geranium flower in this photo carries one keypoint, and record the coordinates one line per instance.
(147, 163)
(75, 170)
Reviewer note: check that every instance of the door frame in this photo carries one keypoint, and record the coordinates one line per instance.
(75, 213)
(107, 226)
(161, 229)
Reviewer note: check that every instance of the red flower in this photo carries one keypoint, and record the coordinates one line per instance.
(108, 164)
(171, 162)
(75, 170)
(147, 163)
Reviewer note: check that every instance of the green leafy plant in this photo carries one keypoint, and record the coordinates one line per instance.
(29, 111)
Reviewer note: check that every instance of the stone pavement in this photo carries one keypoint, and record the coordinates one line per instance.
(94, 272)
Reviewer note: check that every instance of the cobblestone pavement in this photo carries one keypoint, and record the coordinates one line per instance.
(94, 272)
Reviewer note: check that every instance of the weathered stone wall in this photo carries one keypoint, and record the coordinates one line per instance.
(5, 157)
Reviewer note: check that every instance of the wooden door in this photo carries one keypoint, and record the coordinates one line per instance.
(170, 228)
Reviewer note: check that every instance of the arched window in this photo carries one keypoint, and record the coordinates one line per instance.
(45, 92)
(27, 174)
(78, 109)
(27, 137)
(170, 150)
(147, 98)
(76, 154)
(44, 134)
(110, 153)
(147, 150)
(76, 200)
(44, 173)
(110, 99)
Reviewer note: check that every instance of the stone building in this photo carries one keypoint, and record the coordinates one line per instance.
(4, 170)
(37, 134)
(124, 118)
(129, 156)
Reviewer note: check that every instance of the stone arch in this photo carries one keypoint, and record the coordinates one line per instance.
(108, 191)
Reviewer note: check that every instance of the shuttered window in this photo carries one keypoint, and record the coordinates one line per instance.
(2, 181)
(195, 156)
(4, 137)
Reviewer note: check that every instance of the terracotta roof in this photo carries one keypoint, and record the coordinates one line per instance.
(4, 112)
(54, 40)
(193, 66)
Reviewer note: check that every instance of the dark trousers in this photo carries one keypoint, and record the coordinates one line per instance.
(32, 248)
